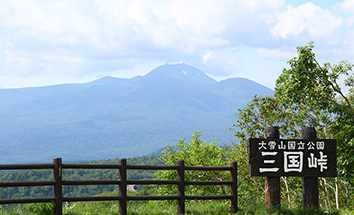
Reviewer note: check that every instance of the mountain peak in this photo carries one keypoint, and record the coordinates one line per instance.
(181, 71)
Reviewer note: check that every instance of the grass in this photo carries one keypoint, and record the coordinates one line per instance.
(156, 208)
(28, 209)
(146, 208)
(215, 207)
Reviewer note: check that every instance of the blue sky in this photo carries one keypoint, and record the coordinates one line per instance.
(52, 42)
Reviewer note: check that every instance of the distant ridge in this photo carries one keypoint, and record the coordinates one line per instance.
(108, 80)
(115, 117)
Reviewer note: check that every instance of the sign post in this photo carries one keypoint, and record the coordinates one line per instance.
(309, 184)
(308, 157)
(271, 183)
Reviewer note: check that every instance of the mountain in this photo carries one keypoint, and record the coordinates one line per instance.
(114, 117)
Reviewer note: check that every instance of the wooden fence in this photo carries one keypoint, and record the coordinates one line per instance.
(57, 183)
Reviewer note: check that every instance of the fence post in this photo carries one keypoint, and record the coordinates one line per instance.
(309, 184)
(58, 193)
(272, 184)
(181, 187)
(123, 187)
(233, 178)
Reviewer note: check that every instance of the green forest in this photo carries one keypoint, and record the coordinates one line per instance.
(74, 174)
(307, 94)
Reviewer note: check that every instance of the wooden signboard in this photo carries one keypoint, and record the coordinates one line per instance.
(292, 157)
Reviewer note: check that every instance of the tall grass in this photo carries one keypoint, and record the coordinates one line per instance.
(28, 209)
(214, 207)
(156, 208)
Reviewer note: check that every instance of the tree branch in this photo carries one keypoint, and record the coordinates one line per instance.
(336, 88)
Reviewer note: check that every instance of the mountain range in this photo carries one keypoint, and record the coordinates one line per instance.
(116, 118)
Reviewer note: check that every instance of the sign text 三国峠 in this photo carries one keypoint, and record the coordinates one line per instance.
(292, 157)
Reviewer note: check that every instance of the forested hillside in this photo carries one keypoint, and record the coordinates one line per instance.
(72, 174)
(113, 117)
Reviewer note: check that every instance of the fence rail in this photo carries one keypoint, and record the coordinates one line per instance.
(58, 183)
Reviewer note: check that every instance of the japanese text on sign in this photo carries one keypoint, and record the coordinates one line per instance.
(292, 157)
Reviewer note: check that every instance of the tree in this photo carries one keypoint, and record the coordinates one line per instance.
(197, 152)
(264, 111)
(307, 82)
(308, 94)
(315, 87)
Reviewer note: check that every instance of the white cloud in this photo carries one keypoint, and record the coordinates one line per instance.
(92, 38)
(125, 28)
(207, 56)
(346, 51)
(262, 5)
(347, 7)
(111, 22)
(221, 63)
(275, 53)
(307, 18)
(18, 64)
